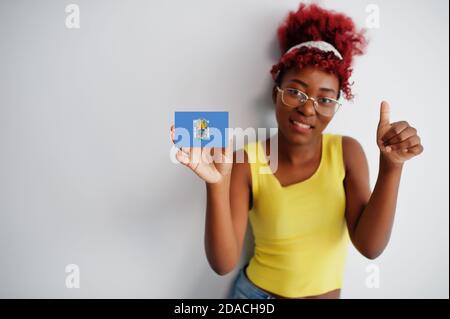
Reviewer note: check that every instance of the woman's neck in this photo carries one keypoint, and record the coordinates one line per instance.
(298, 153)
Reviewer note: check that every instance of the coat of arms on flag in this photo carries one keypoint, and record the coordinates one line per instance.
(201, 129)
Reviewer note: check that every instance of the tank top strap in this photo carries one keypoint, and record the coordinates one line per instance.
(332, 161)
(257, 161)
(334, 154)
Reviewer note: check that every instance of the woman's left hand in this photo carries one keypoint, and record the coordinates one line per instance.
(398, 141)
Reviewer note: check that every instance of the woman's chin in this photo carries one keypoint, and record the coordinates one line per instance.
(298, 139)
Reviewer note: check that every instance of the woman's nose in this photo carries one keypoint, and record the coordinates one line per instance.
(307, 108)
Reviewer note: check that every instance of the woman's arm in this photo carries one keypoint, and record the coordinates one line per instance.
(228, 190)
(226, 218)
(370, 216)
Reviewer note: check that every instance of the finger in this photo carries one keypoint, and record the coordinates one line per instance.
(206, 155)
(404, 135)
(217, 154)
(385, 112)
(416, 149)
(182, 157)
(193, 153)
(183, 151)
(172, 133)
(229, 150)
(396, 129)
(223, 154)
(186, 150)
(409, 142)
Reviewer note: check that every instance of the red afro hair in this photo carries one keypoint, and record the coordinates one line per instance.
(313, 23)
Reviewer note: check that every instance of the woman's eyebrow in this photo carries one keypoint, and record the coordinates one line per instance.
(323, 89)
(299, 82)
(327, 90)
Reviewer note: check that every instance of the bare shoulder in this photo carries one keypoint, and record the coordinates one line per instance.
(350, 143)
(241, 166)
(353, 152)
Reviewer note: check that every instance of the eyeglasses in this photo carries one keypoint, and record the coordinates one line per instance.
(323, 105)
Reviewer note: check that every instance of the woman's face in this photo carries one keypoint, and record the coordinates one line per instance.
(315, 83)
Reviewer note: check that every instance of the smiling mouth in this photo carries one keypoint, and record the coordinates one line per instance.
(301, 125)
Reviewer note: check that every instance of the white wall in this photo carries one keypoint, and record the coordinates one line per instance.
(85, 175)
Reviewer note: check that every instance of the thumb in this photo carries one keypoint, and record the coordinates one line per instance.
(385, 111)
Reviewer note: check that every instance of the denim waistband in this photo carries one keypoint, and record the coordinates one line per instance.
(243, 286)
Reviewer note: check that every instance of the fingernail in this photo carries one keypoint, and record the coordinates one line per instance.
(388, 149)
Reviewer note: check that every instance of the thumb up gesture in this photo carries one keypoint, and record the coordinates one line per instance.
(398, 141)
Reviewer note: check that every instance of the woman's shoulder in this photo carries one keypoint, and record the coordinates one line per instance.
(347, 142)
(352, 151)
(350, 144)
(241, 166)
(255, 149)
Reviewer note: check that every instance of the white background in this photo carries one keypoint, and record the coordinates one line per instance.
(85, 174)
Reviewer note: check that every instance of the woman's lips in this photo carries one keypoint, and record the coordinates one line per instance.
(300, 127)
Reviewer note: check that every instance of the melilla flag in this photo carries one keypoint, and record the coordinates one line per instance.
(201, 129)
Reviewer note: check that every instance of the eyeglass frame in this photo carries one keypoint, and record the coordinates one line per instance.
(315, 103)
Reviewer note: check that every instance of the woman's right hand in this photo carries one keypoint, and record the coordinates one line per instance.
(212, 165)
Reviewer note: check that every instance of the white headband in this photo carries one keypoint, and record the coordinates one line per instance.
(321, 45)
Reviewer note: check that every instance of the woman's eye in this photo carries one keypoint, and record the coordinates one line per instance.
(293, 92)
(325, 100)
(297, 94)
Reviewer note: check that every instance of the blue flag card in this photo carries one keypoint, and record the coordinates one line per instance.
(201, 129)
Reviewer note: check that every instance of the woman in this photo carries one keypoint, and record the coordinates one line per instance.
(304, 214)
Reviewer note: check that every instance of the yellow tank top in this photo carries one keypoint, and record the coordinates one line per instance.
(300, 233)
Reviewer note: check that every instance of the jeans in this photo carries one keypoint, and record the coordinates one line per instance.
(243, 288)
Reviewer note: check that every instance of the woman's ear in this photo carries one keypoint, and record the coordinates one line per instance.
(274, 94)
